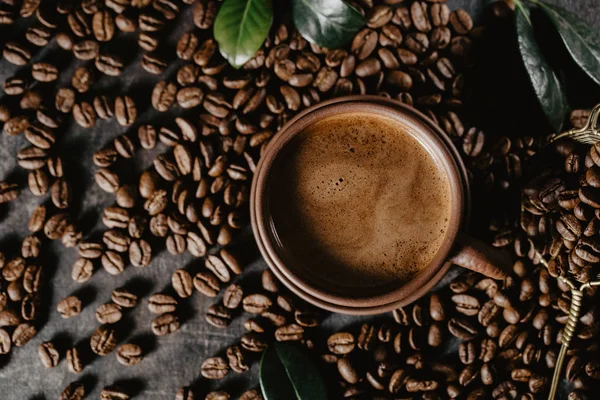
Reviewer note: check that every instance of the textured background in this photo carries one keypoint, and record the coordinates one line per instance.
(171, 361)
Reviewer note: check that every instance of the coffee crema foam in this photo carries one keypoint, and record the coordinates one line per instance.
(358, 201)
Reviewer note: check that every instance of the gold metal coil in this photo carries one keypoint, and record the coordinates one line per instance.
(574, 311)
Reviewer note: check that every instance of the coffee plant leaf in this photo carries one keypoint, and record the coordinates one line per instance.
(287, 373)
(328, 23)
(548, 89)
(241, 28)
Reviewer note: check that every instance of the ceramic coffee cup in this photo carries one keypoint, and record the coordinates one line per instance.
(457, 247)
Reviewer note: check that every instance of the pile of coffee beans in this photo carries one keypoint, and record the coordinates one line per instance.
(509, 335)
(194, 197)
(560, 211)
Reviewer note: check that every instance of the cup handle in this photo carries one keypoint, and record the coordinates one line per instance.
(477, 256)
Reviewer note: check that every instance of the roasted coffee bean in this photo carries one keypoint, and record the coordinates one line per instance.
(32, 277)
(64, 41)
(420, 19)
(147, 137)
(103, 341)
(79, 23)
(103, 26)
(149, 184)
(14, 269)
(124, 298)
(508, 335)
(163, 95)
(84, 114)
(15, 125)
(182, 282)
(109, 313)
(24, 332)
(106, 157)
(435, 336)
(176, 244)
(8, 318)
(115, 217)
(73, 391)
(60, 193)
(461, 21)
(82, 80)
(15, 291)
(214, 368)
(254, 342)
(116, 240)
(16, 53)
(185, 393)
(256, 303)
(218, 267)
(219, 316)
(466, 352)
(341, 343)
(161, 303)
(125, 110)
(367, 337)
(123, 145)
(82, 270)
(153, 64)
(347, 370)
(109, 64)
(269, 282)
(48, 355)
(235, 356)
(113, 393)
(103, 106)
(31, 100)
(14, 86)
(252, 394)
(113, 263)
(107, 180)
(186, 46)
(462, 329)
(254, 325)
(40, 136)
(10, 191)
(207, 284)
(48, 117)
(436, 308)
(86, 50)
(5, 342)
(90, 250)
(159, 226)
(69, 307)
(466, 304)
(129, 354)
(38, 35)
(31, 158)
(233, 295)
(44, 72)
(190, 97)
(292, 332)
(56, 226)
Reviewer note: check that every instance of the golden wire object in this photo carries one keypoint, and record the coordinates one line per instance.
(572, 321)
(588, 134)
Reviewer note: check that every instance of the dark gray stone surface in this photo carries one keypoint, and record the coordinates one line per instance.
(172, 361)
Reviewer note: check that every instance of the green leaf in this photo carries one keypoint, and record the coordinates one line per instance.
(546, 85)
(286, 373)
(241, 27)
(581, 42)
(328, 23)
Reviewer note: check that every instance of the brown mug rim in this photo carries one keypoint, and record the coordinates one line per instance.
(424, 130)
